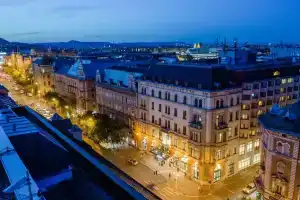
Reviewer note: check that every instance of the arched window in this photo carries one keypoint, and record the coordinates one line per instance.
(217, 104)
(175, 97)
(166, 95)
(159, 94)
(231, 102)
(286, 149)
(169, 96)
(200, 103)
(196, 102)
(238, 100)
(152, 93)
(184, 100)
(279, 147)
(280, 168)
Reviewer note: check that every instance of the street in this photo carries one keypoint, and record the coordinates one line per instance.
(168, 184)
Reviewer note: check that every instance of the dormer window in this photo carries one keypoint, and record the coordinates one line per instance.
(176, 82)
(277, 73)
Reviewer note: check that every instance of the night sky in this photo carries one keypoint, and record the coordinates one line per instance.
(150, 20)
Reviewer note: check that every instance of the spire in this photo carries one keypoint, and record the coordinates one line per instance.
(195, 46)
(198, 46)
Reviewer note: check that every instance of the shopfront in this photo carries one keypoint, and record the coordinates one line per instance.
(183, 164)
(217, 173)
(195, 170)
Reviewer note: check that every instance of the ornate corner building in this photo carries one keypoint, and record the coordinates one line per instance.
(280, 168)
(205, 117)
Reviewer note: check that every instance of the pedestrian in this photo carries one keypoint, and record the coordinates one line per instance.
(169, 175)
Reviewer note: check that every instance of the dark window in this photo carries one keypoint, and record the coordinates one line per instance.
(277, 82)
(169, 96)
(238, 100)
(159, 94)
(175, 112)
(159, 107)
(231, 102)
(255, 86)
(277, 91)
(153, 119)
(152, 93)
(184, 130)
(263, 84)
(295, 88)
(294, 96)
(175, 98)
(184, 114)
(166, 109)
(196, 102)
(246, 97)
(166, 95)
(217, 104)
(200, 103)
(169, 124)
(296, 79)
(237, 115)
(152, 105)
(262, 94)
(222, 103)
(175, 127)
(236, 131)
(270, 83)
(270, 93)
(230, 116)
(290, 89)
(184, 100)
(159, 121)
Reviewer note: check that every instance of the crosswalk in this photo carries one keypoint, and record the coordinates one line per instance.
(167, 193)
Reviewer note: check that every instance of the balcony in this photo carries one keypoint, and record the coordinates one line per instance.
(196, 124)
(165, 129)
(221, 126)
(143, 107)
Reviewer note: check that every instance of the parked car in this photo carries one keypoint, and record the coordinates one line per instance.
(133, 161)
(249, 189)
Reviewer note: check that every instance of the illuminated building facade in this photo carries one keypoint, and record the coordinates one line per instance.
(206, 116)
(43, 75)
(280, 168)
(75, 81)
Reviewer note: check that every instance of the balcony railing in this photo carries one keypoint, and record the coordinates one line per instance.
(165, 129)
(143, 107)
(196, 124)
(221, 126)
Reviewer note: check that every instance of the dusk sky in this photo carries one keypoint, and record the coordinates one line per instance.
(150, 20)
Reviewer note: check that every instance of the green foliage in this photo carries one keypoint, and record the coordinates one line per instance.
(109, 131)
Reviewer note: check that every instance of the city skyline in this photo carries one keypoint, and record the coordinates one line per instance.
(136, 21)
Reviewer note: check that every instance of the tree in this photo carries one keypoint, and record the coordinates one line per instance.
(110, 131)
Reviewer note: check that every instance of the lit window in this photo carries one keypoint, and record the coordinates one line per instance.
(260, 103)
(277, 73)
(290, 80)
(256, 158)
(283, 81)
(244, 116)
(242, 149)
(256, 144)
(249, 147)
(218, 154)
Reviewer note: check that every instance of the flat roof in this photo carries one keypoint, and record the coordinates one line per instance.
(15, 168)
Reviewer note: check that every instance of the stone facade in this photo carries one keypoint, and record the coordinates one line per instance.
(279, 166)
(43, 77)
(211, 135)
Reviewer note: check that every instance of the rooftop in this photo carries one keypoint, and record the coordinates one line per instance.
(285, 120)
